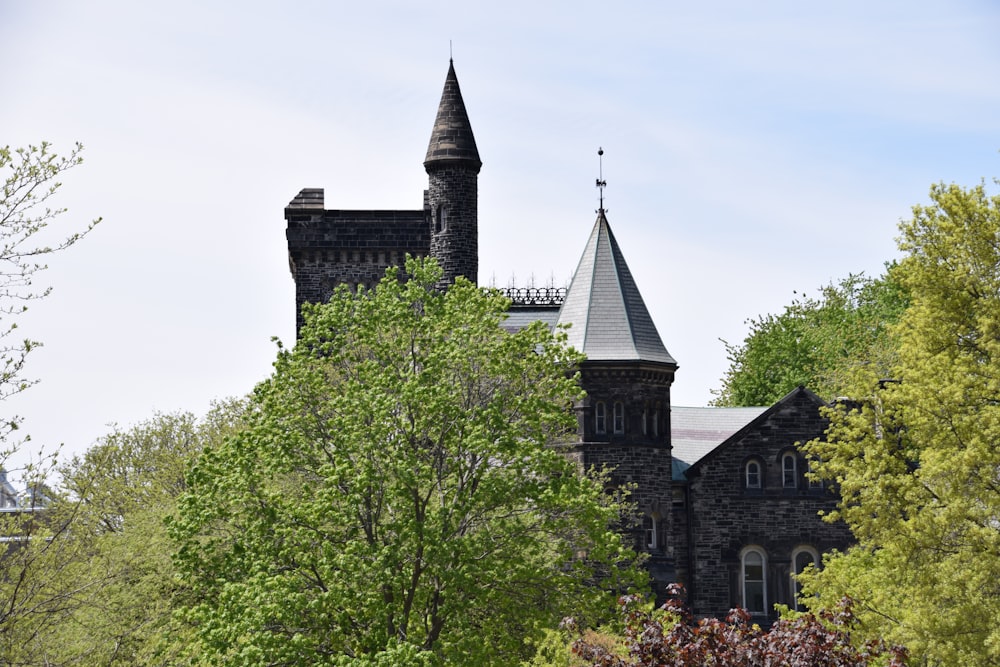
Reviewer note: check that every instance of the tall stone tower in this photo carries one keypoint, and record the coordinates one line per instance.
(331, 247)
(624, 421)
(453, 165)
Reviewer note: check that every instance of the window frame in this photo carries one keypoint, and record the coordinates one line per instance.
(795, 586)
(789, 476)
(745, 556)
(814, 484)
(618, 417)
(649, 531)
(600, 418)
(759, 485)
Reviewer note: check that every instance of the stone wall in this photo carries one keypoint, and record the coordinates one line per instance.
(728, 518)
(330, 247)
(638, 454)
(453, 203)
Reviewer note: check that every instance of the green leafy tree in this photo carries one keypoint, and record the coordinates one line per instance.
(109, 575)
(396, 497)
(821, 343)
(915, 455)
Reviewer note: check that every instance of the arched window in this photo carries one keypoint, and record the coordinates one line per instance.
(649, 531)
(754, 580)
(645, 420)
(802, 558)
(656, 421)
(600, 418)
(815, 483)
(753, 475)
(789, 470)
(619, 417)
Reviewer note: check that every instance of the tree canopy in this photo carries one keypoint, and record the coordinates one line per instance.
(97, 584)
(819, 342)
(395, 497)
(915, 453)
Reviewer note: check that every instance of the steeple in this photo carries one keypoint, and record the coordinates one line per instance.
(609, 319)
(452, 139)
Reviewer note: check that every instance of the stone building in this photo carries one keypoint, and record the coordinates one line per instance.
(727, 508)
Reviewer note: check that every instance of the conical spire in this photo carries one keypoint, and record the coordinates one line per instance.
(609, 319)
(452, 139)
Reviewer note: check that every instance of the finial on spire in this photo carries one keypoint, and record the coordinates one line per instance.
(601, 183)
(451, 56)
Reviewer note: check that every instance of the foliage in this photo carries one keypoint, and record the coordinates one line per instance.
(104, 565)
(396, 491)
(669, 637)
(816, 342)
(30, 181)
(28, 601)
(916, 456)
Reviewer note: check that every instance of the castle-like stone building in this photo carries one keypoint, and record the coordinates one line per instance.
(727, 508)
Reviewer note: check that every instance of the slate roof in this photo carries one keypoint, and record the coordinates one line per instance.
(452, 139)
(694, 432)
(520, 317)
(609, 319)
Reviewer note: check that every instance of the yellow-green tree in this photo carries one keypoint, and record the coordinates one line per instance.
(102, 561)
(396, 497)
(916, 455)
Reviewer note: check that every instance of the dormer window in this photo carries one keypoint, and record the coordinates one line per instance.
(789, 470)
(619, 416)
(600, 418)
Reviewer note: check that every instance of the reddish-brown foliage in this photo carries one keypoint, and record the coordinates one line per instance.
(675, 639)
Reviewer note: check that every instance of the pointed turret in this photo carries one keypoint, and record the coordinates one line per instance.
(452, 165)
(609, 319)
(623, 423)
(452, 139)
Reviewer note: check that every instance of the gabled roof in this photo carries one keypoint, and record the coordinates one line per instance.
(797, 393)
(694, 432)
(609, 319)
(452, 139)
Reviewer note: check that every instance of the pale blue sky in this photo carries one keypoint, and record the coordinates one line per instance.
(751, 149)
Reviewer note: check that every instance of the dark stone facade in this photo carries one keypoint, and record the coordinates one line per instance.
(453, 202)
(735, 524)
(327, 248)
(774, 513)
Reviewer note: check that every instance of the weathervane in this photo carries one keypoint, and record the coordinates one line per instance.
(601, 183)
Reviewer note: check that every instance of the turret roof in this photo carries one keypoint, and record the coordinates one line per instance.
(452, 139)
(609, 319)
